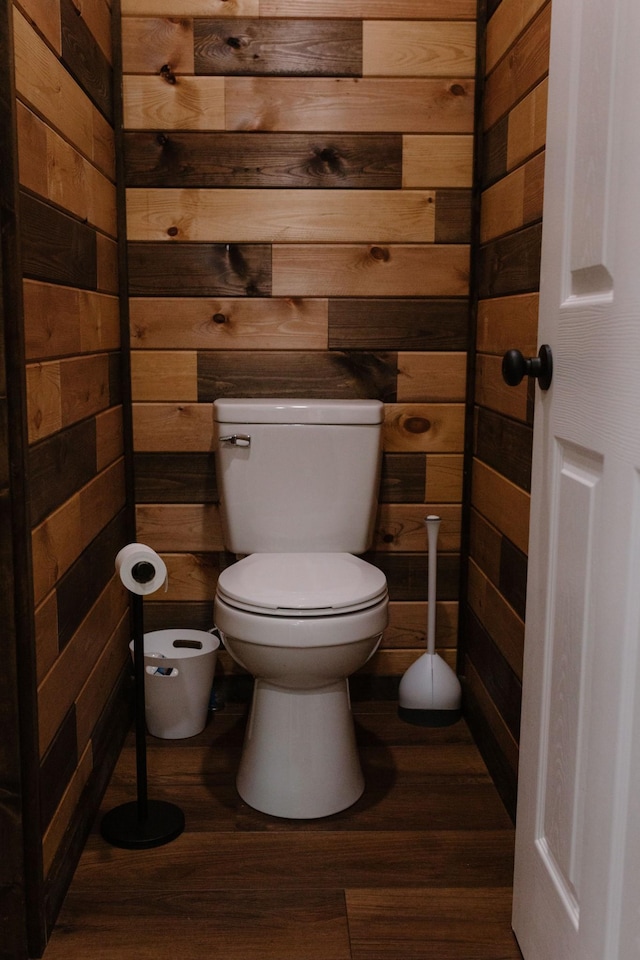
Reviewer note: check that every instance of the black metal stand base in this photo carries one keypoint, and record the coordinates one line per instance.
(124, 827)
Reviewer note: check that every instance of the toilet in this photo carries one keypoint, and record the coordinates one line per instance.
(300, 611)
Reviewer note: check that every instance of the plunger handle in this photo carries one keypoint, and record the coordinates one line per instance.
(433, 525)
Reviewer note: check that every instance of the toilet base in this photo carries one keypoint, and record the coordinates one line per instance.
(300, 759)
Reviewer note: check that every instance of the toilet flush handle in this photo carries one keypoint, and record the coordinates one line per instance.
(237, 440)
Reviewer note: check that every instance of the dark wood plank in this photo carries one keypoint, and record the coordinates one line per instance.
(505, 445)
(510, 264)
(79, 588)
(187, 614)
(175, 478)
(493, 146)
(513, 576)
(406, 575)
(60, 466)
(56, 247)
(270, 373)
(200, 269)
(453, 216)
(497, 676)
(380, 324)
(200, 159)
(84, 59)
(285, 48)
(504, 777)
(403, 478)
(57, 767)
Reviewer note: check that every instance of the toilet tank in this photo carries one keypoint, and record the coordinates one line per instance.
(307, 479)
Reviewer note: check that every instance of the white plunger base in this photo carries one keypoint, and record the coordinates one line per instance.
(300, 758)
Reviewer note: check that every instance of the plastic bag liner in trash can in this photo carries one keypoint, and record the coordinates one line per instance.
(179, 668)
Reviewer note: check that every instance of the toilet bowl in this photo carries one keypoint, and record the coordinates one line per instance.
(301, 624)
(300, 611)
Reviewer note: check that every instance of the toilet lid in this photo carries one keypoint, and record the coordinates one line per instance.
(302, 584)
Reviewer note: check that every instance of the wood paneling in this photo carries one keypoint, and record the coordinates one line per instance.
(510, 148)
(206, 270)
(254, 216)
(299, 225)
(278, 47)
(329, 270)
(56, 247)
(359, 106)
(517, 74)
(437, 160)
(398, 9)
(338, 161)
(230, 324)
(388, 324)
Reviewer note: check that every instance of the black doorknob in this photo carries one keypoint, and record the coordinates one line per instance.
(515, 367)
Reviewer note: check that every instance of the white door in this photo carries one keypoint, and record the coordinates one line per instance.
(577, 877)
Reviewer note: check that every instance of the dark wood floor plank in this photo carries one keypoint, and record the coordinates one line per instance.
(166, 923)
(419, 868)
(418, 924)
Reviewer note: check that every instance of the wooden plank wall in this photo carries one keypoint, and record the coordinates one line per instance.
(13, 906)
(512, 140)
(298, 206)
(73, 418)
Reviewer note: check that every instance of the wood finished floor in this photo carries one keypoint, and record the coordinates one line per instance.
(419, 869)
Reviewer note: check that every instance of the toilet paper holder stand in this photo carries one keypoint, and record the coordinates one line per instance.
(141, 823)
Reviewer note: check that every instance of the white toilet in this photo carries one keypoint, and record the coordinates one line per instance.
(298, 483)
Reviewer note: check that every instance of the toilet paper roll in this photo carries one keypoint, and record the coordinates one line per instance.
(141, 569)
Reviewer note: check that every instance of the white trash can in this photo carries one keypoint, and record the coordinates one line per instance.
(179, 667)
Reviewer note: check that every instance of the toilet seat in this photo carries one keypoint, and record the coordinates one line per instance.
(302, 584)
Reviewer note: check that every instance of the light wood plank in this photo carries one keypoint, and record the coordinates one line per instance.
(47, 16)
(444, 478)
(190, 577)
(44, 400)
(308, 270)
(513, 202)
(179, 526)
(437, 160)
(192, 103)
(164, 375)
(254, 216)
(84, 387)
(46, 634)
(494, 393)
(518, 73)
(43, 83)
(60, 539)
(414, 48)
(527, 127)
(229, 323)
(400, 526)
(359, 106)
(191, 8)
(505, 25)
(507, 322)
(393, 663)
(170, 427)
(502, 503)
(149, 44)
(423, 427)
(387, 9)
(61, 320)
(431, 377)
(109, 437)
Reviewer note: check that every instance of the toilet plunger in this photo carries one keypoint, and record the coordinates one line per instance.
(142, 823)
(430, 694)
